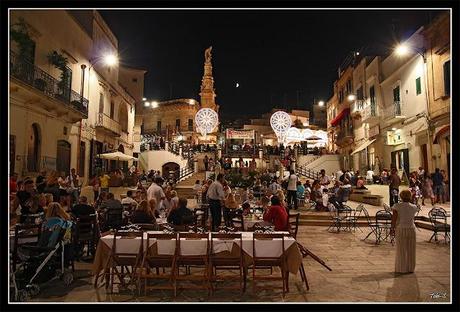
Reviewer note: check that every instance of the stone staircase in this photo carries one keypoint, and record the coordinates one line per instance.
(185, 187)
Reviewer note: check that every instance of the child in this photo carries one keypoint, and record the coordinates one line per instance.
(325, 198)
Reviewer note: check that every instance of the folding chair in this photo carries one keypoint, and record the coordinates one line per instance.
(294, 224)
(263, 262)
(150, 261)
(124, 260)
(383, 220)
(200, 259)
(372, 225)
(24, 234)
(228, 262)
(438, 219)
(352, 220)
(86, 233)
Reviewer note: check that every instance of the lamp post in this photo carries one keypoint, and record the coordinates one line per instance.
(110, 60)
(403, 49)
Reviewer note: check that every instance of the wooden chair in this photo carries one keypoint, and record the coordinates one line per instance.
(157, 261)
(201, 260)
(24, 232)
(228, 263)
(264, 262)
(237, 220)
(294, 224)
(86, 233)
(201, 216)
(124, 260)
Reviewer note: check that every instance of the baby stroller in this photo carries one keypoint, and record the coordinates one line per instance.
(45, 261)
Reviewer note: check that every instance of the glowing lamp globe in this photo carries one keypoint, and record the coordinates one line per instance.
(280, 122)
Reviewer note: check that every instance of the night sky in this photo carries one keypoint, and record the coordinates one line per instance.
(279, 58)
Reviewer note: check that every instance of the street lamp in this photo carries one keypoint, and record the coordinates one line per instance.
(321, 103)
(351, 97)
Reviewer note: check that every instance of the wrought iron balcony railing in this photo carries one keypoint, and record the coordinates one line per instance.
(108, 123)
(394, 110)
(40, 80)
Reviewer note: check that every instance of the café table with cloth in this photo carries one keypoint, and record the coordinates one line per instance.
(269, 248)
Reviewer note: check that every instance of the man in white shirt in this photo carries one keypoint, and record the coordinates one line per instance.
(155, 191)
(216, 197)
(274, 186)
(292, 190)
(128, 200)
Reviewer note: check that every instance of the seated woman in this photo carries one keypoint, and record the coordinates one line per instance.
(277, 215)
(300, 190)
(181, 215)
(34, 213)
(143, 214)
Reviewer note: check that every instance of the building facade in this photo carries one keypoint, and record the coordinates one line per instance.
(71, 105)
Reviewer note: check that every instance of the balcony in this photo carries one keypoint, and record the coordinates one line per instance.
(370, 114)
(28, 81)
(357, 108)
(344, 136)
(393, 113)
(107, 124)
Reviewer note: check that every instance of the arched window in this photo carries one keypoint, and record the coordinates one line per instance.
(34, 148)
(123, 117)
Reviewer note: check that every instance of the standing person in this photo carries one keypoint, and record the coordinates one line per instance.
(395, 182)
(292, 190)
(324, 179)
(445, 181)
(403, 227)
(40, 182)
(52, 186)
(277, 164)
(197, 188)
(216, 197)
(421, 174)
(427, 189)
(369, 175)
(274, 186)
(438, 186)
(206, 162)
(96, 186)
(73, 181)
(104, 179)
(156, 192)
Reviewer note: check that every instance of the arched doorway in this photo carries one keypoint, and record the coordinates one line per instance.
(63, 157)
(167, 168)
(33, 149)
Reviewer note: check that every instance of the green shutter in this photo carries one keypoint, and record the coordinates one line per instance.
(418, 86)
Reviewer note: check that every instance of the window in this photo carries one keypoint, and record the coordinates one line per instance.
(159, 126)
(341, 95)
(396, 95)
(178, 124)
(359, 93)
(446, 70)
(101, 103)
(81, 171)
(190, 125)
(418, 86)
(112, 109)
(372, 95)
(348, 86)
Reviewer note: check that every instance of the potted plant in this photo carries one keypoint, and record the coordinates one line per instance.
(19, 33)
(60, 62)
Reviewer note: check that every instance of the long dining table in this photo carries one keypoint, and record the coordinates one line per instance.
(264, 248)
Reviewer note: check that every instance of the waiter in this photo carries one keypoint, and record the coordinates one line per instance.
(216, 197)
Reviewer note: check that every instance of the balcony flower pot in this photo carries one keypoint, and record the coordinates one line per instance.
(40, 84)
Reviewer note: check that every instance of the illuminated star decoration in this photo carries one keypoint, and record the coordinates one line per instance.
(206, 119)
(280, 122)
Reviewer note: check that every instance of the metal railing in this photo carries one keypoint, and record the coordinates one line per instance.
(308, 173)
(357, 106)
(394, 110)
(369, 111)
(37, 78)
(106, 122)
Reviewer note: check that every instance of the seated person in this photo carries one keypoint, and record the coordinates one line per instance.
(342, 195)
(143, 214)
(246, 208)
(181, 215)
(82, 208)
(111, 203)
(129, 199)
(300, 190)
(197, 187)
(33, 213)
(360, 184)
(277, 215)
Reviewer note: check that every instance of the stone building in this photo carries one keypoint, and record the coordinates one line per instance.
(437, 54)
(175, 119)
(66, 104)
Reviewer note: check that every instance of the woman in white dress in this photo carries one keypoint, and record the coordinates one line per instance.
(403, 227)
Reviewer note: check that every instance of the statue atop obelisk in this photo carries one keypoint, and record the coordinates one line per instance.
(207, 93)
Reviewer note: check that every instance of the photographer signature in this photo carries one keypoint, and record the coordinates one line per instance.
(438, 295)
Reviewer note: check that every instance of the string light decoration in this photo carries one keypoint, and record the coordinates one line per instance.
(293, 135)
(206, 120)
(280, 122)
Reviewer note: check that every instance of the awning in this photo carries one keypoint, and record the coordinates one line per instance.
(117, 156)
(440, 133)
(339, 117)
(363, 146)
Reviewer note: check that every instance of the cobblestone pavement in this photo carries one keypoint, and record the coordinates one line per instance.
(361, 272)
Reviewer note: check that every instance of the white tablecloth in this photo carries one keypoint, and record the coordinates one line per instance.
(264, 248)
